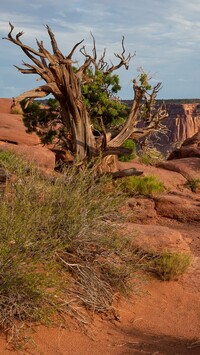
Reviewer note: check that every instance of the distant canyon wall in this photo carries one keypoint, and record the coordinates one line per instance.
(183, 122)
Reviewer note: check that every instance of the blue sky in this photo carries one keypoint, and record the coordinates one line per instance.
(164, 34)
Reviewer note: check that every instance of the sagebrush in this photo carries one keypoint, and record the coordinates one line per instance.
(60, 248)
(139, 185)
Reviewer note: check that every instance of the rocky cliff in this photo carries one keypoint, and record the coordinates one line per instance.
(183, 122)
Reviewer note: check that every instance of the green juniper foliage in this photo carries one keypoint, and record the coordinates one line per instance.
(129, 143)
(99, 94)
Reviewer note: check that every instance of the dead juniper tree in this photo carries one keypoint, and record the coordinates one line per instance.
(64, 82)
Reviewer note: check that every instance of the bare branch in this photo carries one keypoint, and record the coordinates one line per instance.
(19, 35)
(26, 49)
(19, 43)
(40, 46)
(102, 64)
(25, 71)
(38, 92)
(124, 61)
(94, 51)
(152, 123)
(74, 48)
(86, 64)
(54, 45)
(131, 123)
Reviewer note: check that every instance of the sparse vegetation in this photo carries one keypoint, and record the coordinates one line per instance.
(59, 248)
(137, 185)
(150, 156)
(193, 184)
(61, 251)
(170, 265)
(130, 144)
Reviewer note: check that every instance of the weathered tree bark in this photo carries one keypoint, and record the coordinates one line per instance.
(64, 83)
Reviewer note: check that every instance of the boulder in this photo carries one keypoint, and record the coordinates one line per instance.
(143, 210)
(12, 130)
(5, 105)
(187, 167)
(170, 179)
(181, 208)
(156, 239)
(43, 157)
(193, 141)
(186, 159)
(189, 148)
(13, 136)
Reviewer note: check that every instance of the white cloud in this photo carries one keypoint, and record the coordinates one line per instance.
(164, 34)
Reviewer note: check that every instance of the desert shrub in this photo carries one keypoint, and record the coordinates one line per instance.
(56, 234)
(150, 156)
(170, 265)
(15, 164)
(130, 144)
(137, 185)
(193, 184)
(17, 110)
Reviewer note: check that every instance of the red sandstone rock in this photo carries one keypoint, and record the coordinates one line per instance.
(171, 179)
(182, 123)
(151, 238)
(42, 156)
(13, 136)
(5, 105)
(192, 141)
(186, 159)
(189, 148)
(188, 167)
(178, 207)
(13, 130)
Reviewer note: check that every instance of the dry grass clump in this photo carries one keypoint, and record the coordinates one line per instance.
(138, 185)
(167, 265)
(150, 156)
(59, 246)
(194, 184)
(171, 265)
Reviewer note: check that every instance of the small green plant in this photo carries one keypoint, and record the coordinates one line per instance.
(193, 184)
(147, 185)
(151, 156)
(170, 265)
(130, 144)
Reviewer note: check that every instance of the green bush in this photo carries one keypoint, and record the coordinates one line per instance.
(193, 184)
(130, 144)
(170, 265)
(137, 185)
(150, 156)
(56, 235)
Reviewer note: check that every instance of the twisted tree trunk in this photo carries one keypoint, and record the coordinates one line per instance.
(64, 82)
